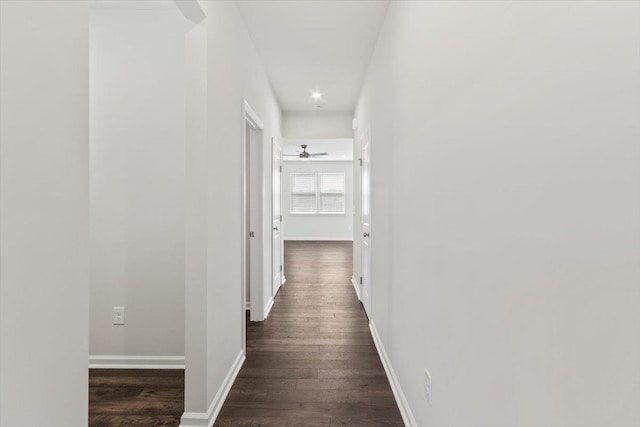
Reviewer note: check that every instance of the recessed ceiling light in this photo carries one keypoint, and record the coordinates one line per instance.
(316, 95)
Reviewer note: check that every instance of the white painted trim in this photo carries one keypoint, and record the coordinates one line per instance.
(277, 246)
(401, 400)
(251, 118)
(206, 419)
(244, 215)
(366, 291)
(268, 308)
(284, 280)
(329, 239)
(136, 362)
(251, 115)
(354, 282)
(247, 305)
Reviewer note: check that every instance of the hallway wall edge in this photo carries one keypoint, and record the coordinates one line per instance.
(403, 404)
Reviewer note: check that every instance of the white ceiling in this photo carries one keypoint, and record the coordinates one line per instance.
(338, 149)
(311, 45)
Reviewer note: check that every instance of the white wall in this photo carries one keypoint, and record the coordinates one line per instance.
(196, 274)
(214, 164)
(44, 213)
(317, 226)
(317, 124)
(138, 181)
(506, 216)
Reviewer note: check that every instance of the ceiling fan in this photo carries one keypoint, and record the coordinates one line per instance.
(305, 155)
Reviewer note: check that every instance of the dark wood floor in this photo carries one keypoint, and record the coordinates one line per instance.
(135, 397)
(312, 362)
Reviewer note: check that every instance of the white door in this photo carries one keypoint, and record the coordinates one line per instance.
(277, 249)
(365, 169)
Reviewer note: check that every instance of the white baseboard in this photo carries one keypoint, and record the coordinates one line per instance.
(247, 306)
(354, 282)
(268, 308)
(206, 419)
(136, 362)
(401, 400)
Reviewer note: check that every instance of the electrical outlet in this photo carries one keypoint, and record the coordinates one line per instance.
(427, 385)
(118, 315)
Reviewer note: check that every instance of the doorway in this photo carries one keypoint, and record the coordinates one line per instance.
(319, 196)
(277, 245)
(137, 176)
(257, 298)
(364, 285)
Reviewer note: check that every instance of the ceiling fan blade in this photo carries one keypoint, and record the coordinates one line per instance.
(318, 154)
(294, 155)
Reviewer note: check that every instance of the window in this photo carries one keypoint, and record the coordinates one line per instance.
(332, 193)
(322, 193)
(303, 193)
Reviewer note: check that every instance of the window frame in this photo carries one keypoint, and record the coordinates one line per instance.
(318, 193)
(292, 193)
(343, 193)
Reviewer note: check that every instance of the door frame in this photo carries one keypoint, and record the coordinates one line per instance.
(365, 291)
(275, 142)
(251, 119)
(361, 133)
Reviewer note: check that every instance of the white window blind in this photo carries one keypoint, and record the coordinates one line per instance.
(303, 193)
(332, 188)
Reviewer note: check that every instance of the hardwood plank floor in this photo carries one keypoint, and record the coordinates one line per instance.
(312, 362)
(135, 397)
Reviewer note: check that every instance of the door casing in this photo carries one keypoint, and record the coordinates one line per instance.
(277, 250)
(252, 220)
(365, 221)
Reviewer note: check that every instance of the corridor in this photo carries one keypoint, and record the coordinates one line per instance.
(469, 170)
(312, 362)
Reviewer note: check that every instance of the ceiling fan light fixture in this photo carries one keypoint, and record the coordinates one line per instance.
(304, 154)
